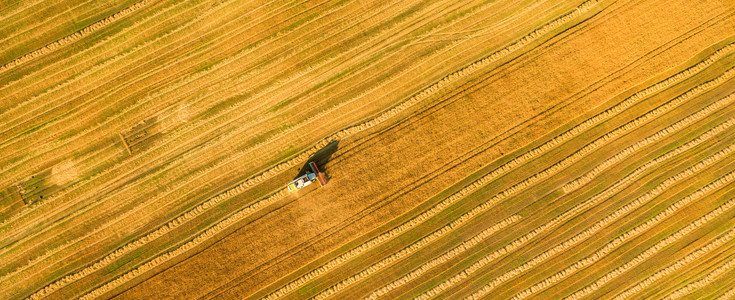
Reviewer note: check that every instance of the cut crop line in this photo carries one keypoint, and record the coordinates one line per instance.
(653, 250)
(24, 33)
(128, 83)
(689, 288)
(572, 241)
(416, 246)
(207, 234)
(131, 50)
(75, 36)
(619, 185)
(609, 247)
(517, 161)
(586, 178)
(9, 11)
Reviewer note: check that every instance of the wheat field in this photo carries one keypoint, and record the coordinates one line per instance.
(472, 149)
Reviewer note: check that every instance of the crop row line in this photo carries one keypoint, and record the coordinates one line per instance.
(609, 247)
(665, 242)
(727, 295)
(207, 234)
(75, 36)
(405, 105)
(188, 216)
(694, 255)
(608, 192)
(423, 242)
(620, 212)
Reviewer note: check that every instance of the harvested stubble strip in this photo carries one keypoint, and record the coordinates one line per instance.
(577, 238)
(590, 202)
(653, 250)
(584, 179)
(464, 246)
(609, 247)
(693, 256)
(75, 36)
(436, 209)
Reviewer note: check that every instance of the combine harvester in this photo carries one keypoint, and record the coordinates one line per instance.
(307, 179)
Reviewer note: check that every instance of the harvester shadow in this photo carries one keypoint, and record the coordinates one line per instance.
(321, 158)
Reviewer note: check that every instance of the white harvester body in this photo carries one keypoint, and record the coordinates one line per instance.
(307, 179)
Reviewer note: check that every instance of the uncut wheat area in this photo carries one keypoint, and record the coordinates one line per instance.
(394, 149)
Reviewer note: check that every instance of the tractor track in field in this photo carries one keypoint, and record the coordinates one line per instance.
(591, 147)
(516, 244)
(651, 251)
(510, 165)
(689, 258)
(75, 36)
(395, 110)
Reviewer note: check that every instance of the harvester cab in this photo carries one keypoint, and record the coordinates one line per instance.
(308, 178)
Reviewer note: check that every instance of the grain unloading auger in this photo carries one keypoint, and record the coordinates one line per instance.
(308, 178)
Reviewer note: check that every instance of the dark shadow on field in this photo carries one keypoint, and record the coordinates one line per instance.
(321, 158)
